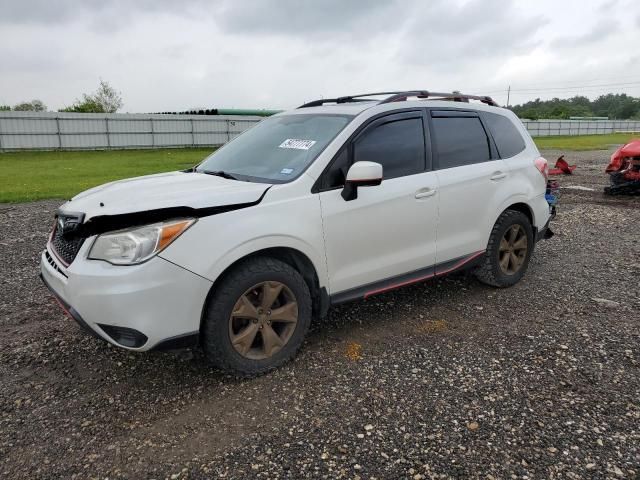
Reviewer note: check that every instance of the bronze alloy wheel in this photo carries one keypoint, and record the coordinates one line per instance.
(263, 320)
(513, 249)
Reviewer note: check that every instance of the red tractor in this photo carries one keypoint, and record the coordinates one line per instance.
(624, 170)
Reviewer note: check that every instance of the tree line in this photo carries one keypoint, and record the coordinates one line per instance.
(105, 99)
(619, 106)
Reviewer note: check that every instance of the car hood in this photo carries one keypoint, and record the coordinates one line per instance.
(173, 190)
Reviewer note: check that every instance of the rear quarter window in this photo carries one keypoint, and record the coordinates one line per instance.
(506, 136)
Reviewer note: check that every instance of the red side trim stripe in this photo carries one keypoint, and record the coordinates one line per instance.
(62, 307)
(460, 263)
(398, 285)
(426, 277)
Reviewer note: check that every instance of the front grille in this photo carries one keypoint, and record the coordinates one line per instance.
(66, 247)
(51, 261)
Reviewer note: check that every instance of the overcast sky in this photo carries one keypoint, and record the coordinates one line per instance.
(174, 55)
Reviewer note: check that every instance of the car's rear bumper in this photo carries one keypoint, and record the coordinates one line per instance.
(545, 232)
(153, 305)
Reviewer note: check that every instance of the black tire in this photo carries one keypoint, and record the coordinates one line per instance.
(216, 340)
(617, 178)
(489, 271)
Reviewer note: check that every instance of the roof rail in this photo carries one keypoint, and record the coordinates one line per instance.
(455, 96)
(401, 97)
(347, 99)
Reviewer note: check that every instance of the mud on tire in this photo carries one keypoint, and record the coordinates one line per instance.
(489, 271)
(216, 329)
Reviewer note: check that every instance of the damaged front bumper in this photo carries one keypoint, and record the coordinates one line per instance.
(153, 305)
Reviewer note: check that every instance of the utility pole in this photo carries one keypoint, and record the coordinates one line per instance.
(508, 95)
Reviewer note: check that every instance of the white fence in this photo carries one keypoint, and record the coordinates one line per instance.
(545, 128)
(94, 131)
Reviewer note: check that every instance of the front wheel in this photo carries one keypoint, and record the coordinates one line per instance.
(257, 318)
(509, 250)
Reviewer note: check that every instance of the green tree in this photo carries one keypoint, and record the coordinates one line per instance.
(4, 108)
(34, 105)
(86, 105)
(627, 108)
(105, 99)
(615, 106)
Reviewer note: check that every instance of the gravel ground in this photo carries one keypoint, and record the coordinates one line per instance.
(443, 379)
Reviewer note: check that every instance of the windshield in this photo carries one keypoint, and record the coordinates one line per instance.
(277, 149)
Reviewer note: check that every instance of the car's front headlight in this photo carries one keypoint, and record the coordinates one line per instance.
(136, 245)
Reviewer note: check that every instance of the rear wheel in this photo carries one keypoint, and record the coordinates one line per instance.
(509, 250)
(257, 318)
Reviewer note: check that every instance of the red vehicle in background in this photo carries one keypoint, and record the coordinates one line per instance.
(624, 170)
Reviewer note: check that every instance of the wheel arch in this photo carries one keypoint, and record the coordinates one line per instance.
(518, 205)
(524, 208)
(296, 260)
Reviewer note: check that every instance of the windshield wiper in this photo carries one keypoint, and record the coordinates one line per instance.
(219, 173)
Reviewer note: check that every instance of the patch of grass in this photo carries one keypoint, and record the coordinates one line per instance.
(584, 142)
(27, 176)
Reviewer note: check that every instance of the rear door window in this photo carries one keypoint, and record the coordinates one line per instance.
(506, 136)
(459, 141)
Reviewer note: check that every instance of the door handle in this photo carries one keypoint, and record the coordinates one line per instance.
(425, 193)
(498, 176)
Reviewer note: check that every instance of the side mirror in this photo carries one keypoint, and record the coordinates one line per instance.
(361, 174)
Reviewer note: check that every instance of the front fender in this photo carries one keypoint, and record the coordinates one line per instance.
(263, 243)
(214, 243)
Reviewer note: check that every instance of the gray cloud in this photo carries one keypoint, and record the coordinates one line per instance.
(114, 13)
(602, 30)
(445, 34)
(330, 19)
(606, 7)
(171, 55)
(38, 11)
(438, 31)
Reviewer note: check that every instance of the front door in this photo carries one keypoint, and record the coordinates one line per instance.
(389, 230)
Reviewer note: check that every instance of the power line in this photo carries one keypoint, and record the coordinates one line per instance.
(577, 87)
(571, 92)
(556, 89)
(567, 82)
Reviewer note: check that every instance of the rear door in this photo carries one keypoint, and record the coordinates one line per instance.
(389, 229)
(470, 176)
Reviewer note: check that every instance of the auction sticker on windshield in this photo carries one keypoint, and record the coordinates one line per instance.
(297, 144)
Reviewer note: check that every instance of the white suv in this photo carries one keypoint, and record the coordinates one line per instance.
(337, 200)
